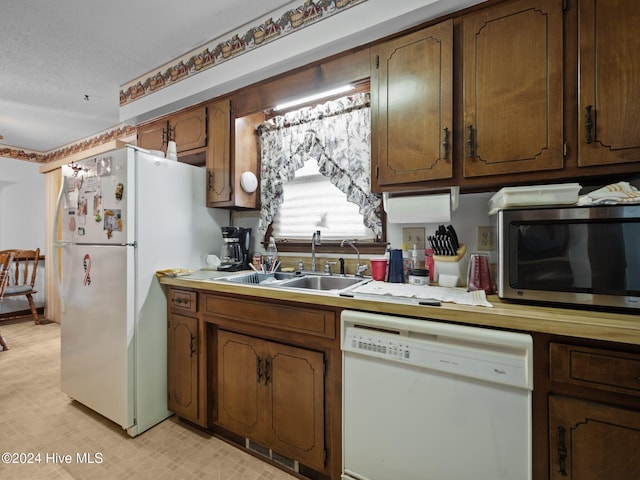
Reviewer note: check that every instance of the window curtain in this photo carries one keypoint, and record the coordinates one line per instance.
(337, 135)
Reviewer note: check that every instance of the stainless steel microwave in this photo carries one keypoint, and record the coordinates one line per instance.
(587, 256)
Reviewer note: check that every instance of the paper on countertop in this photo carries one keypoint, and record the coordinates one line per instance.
(621, 192)
(173, 272)
(444, 294)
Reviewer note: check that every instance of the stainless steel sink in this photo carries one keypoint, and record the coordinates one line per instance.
(255, 278)
(317, 282)
(293, 280)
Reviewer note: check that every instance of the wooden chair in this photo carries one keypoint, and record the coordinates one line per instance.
(23, 278)
(5, 263)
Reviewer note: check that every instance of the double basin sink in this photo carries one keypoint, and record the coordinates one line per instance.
(311, 281)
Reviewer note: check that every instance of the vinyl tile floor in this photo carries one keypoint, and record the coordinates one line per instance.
(46, 435)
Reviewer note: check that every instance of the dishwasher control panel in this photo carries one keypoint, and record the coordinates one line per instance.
(381, 344)
(444, 354)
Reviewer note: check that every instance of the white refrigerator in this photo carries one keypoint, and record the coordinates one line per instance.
(122, 216)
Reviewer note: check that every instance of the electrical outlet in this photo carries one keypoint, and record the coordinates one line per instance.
(486, 238)
(411, 236)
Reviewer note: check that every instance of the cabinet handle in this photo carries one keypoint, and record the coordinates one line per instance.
(267, 368)
(192, 345)
(168, 134)
(209, 180)
(562, 452)
(470, 141)
(259, 369)
(588, 124)
(445, 144)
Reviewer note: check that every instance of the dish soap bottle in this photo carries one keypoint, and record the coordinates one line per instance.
(414, 258)
(272, 254)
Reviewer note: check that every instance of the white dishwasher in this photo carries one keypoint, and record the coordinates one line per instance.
(434, 401)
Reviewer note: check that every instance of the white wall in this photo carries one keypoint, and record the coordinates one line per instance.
(21, 205)
(22, 217)
(472, 212)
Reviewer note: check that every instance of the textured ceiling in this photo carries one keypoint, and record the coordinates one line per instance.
(62, 62)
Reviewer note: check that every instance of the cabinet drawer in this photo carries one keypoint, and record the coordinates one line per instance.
(183, 300)
(595, 368)
(305, 320)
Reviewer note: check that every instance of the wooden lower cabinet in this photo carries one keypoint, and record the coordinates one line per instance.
(182, 366)
(592, 441)
(186, 356)
(273, 394)
(594, 412)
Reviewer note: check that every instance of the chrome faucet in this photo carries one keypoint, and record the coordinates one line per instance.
(315, 240)
(359, 268)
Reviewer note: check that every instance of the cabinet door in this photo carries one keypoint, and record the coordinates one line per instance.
(513, 102)
(190, 129)
(219, 171)
(182, 366)
(296, 400)
(411, 97)
(609, 82)
(592, 441)
(241, 384)
(152, 135)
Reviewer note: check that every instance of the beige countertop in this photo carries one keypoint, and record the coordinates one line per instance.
(614, 327)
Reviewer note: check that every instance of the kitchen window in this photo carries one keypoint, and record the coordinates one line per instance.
(315, 174)
(311, 202)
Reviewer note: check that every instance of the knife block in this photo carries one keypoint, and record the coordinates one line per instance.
(455, 265)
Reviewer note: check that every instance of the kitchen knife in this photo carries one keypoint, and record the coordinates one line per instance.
(454, 236)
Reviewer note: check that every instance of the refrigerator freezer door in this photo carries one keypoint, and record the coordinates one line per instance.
(96, 195)
(97, 348)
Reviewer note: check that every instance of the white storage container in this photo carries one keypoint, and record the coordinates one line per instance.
(534, 195)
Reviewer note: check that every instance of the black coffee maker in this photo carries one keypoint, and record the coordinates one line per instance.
(235, 249)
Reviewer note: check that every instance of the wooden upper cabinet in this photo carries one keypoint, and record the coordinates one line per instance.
(189, 129)
(513, 88)
(233, 149)
(411, 97)
(609, 82)
(152, 136)
(219, 171)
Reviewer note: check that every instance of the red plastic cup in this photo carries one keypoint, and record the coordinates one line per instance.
(379, 268)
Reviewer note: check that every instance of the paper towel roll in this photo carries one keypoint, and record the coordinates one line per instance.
(435, 208)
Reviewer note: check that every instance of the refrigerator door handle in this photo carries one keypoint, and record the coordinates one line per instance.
(134, 244)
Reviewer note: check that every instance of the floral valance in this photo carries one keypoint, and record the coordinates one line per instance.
(336, 134)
